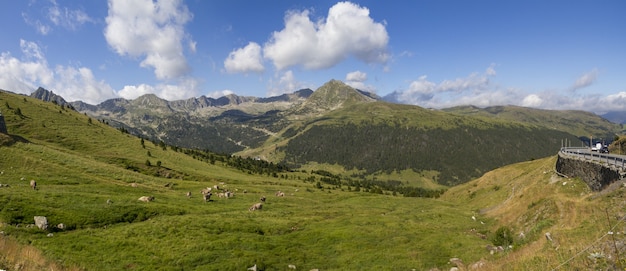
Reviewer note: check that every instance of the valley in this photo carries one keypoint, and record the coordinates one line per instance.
(90, 175)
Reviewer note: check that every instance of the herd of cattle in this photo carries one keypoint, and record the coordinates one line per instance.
(206, 195)
(221, 192)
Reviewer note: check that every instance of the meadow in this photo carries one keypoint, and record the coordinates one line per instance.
(90, 176)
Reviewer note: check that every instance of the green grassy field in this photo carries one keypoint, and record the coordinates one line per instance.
(90, 177)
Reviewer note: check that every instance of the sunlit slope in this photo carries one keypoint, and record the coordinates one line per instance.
(577, 122)
(90, 176)
(385, 137)
(531, 200)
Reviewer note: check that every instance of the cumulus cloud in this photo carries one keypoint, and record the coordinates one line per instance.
(585, 80)
(356, 79)
(152, 30)
(32, 70)
(357, 76)
(477, 89)
(287, 83)
(347, 31)
(220, 93)
(185, 88)
(532, 100)
(422, 91)
(244, 60)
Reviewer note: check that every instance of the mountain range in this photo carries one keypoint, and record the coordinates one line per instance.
(356, 130)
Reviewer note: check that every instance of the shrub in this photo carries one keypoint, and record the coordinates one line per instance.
(503, 237)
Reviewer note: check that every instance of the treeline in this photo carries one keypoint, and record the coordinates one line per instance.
(375, 186)
(249, 165)
(458, 154)
(256, 166)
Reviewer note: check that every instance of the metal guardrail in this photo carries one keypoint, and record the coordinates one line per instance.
(606, 159)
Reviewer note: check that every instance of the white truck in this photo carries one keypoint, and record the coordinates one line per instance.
(598, 147)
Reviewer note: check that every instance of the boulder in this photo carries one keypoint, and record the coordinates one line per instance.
(41, 222)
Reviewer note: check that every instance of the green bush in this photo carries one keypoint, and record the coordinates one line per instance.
(503, 237)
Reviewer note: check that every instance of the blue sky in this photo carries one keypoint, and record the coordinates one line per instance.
(543, 54)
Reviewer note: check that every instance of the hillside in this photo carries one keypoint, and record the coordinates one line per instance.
(383, 137)
(339, 125)
(532, 202)
(579, 123)
(89, 177)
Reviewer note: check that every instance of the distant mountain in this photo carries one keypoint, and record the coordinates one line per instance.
(333, 95)
(227, 124)
(339, 125)
(576, 122)
(48, 96)
(615, 116)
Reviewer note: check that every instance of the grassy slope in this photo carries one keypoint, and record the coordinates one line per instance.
(77, 166)
(382, 136)
(579, 123)
(528, 197)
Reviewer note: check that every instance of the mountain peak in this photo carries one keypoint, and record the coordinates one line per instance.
(48, 96)
(333, 95)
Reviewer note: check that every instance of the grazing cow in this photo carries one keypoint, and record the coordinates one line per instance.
(280, 194)
(216, 187)
(146, 198)
(207, 196)
(206, 190)
(256, 206)
(33, 184)
(229, 194)
(262, 198)
(189, 194)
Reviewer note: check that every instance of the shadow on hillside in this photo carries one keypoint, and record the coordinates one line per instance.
(9, 140)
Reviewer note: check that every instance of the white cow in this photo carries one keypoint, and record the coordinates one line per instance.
(256, 206)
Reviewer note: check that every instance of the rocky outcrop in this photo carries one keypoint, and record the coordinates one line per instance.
(597, 176)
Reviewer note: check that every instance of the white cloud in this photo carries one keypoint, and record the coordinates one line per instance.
(476, 89)
(70, 19)
(186, 87)
(532, 100)
(151, 30)
(287, 83)
(244, 60)
(67, 18)
(422, 92)
(491, 71)
(72, 83)
(356, 79)
(80, 84)
(347, 31)
(41, 28)
(220, 93)
(585, 80)
(357, 76)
